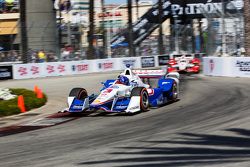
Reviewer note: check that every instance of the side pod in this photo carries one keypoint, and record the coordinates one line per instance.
(166, 84)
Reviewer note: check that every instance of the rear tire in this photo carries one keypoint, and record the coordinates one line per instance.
(174, 96)
(79, 93)
(144, 100)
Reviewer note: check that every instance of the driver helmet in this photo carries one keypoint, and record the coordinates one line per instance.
(123, 80)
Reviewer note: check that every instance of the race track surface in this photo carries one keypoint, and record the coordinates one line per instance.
(208, 126)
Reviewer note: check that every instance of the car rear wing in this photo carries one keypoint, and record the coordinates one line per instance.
(150, 73)
(173, 75)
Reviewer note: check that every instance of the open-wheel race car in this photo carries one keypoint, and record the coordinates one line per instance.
(128, 93)
(184, 63)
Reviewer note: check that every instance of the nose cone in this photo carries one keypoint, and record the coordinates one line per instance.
(106, 96)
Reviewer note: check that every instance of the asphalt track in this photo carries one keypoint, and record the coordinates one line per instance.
(209, 126)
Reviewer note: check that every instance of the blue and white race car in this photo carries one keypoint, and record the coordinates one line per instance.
(128, 93)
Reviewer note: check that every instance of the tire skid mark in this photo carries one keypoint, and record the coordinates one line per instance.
(51, 120)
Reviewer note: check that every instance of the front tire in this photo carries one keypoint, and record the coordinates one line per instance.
(79, 93)
(144, 99)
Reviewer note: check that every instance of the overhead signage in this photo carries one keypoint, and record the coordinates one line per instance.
(174, 9)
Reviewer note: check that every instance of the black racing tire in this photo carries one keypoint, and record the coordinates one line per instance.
(174, 90)
(79, 93)
(144, 100)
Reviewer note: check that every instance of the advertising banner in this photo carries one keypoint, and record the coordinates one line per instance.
(241, 66)
(227, 66)
(6, 72)
(163, 60)
(24, 71)
(217, 66)
(147, 62)
(57, 68)
(103, 65)
(80, 67)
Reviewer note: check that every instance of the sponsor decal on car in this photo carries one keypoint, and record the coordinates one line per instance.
(134, 108)
(76, 107)
(121, 107)
(150, 92)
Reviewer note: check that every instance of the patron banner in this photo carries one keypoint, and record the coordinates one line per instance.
(178, 9)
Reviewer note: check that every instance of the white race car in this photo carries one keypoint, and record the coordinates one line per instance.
(128, 93)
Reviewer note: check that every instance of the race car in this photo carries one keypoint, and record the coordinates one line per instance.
(128, 93)
(184, 63)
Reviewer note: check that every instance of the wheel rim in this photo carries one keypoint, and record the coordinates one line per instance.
(175, 93)
(145, 99)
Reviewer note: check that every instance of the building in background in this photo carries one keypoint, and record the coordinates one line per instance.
(9, 15)
(41, 25)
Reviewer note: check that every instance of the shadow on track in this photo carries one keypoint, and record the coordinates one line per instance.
(189, 149)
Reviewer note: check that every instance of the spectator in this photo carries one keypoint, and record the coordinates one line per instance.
(2, 6)
(9, 5)
(41, 56)
(65, 54)
(51, 57)
(11, 56)
(2, 57)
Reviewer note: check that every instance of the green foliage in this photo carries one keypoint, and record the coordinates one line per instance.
(10, 107)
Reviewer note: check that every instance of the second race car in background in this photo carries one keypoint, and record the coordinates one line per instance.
(184, 63)
(128, 93)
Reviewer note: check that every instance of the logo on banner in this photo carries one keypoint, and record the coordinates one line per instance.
(6, 72)
(163, 60)
(105, 66)
(50, 69)
(61, 68)
(80, 67)
(243, 66)
(34, 70)
(129, 63)
(22, 71)
(147, 62)
(211, 65)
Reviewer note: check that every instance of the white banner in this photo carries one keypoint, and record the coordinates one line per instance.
(241, 66)
(227, 66)
(24, 71)
(56, 68)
